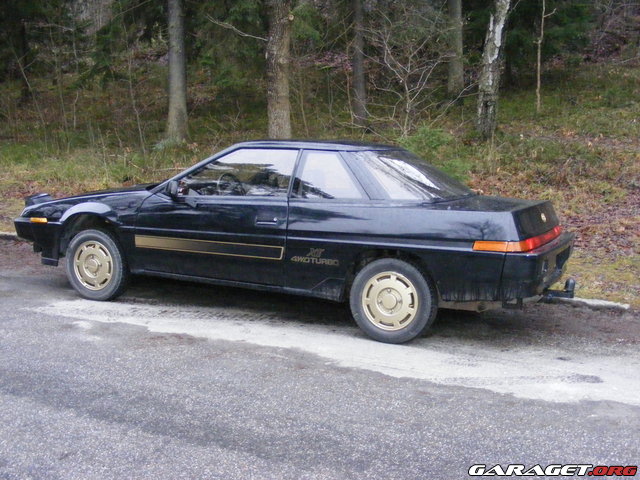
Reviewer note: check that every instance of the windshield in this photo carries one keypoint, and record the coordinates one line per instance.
(404, 176)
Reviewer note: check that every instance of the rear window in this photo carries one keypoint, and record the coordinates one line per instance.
(404, 176)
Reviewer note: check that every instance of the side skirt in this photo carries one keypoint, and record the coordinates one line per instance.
(231, 283)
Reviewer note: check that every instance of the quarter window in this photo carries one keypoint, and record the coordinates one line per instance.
(245, 172)
(324, 176)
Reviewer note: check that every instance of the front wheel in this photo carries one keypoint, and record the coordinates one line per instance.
(95, 265)
(392, 301)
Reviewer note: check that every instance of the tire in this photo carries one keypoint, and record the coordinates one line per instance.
(96, 266)
(392, 301)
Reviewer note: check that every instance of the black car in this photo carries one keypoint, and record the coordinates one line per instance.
(370, 224)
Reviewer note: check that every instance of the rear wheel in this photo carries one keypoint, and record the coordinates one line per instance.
(95, 265)
(391, 301)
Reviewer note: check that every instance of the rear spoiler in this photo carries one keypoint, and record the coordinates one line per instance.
(37, 198)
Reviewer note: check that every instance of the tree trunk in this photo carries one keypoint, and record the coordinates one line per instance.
(489, 81)
(455, 85)
(23, 61)
(359, 85)
(278, 52)
(543, 16)
(539, 57)
(177, 117)
(278, 46)
(94, 13)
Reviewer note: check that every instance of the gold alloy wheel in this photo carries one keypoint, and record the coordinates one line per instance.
(390, 301)
(93, 265)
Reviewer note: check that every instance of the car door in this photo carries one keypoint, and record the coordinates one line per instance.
(227, 221)
(327, 220)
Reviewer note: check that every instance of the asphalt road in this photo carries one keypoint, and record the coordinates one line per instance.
(176, 380)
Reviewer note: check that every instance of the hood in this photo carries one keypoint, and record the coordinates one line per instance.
(133, 188)
(43, 205)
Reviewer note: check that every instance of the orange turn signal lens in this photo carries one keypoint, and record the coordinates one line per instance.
(522, 246)
(38, 220)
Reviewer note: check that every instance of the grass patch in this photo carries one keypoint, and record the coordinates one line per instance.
(582, 151)
(598, 276)
(592, 101)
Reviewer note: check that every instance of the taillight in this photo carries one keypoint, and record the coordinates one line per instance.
(521, 246)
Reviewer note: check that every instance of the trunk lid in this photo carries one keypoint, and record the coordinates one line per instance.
(535, 219)
(530, 217)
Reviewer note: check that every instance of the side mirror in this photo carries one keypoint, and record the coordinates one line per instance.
(172, 188)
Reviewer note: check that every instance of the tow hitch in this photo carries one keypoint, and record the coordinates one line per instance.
(569, 289)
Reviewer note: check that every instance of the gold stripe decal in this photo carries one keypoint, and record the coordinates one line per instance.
(209, 247)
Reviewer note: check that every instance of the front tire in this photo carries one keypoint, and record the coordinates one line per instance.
(96, 266)
(392, 301)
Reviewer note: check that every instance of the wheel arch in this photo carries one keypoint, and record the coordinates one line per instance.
(84, 220)
(367, 256)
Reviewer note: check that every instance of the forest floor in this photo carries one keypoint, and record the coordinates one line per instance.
(582, 151)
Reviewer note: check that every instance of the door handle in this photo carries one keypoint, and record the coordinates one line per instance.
(267, 221)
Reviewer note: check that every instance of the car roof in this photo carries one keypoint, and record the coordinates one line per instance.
(345, 145)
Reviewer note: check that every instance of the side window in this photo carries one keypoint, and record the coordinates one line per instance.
(323, 175)
(248, 172)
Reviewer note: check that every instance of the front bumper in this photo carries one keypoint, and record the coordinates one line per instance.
(529, 274)
(45, 238)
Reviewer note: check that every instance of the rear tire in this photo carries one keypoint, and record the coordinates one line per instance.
(96, 266)
(392, 301)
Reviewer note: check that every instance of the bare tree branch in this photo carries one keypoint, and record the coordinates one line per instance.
(407, 47)
(228, 26)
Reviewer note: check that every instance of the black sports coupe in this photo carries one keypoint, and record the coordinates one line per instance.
(370, 224)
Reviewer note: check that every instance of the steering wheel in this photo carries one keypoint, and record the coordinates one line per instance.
(228, 184)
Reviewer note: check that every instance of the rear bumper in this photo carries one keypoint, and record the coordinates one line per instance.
(528, 274)
(45, 238)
